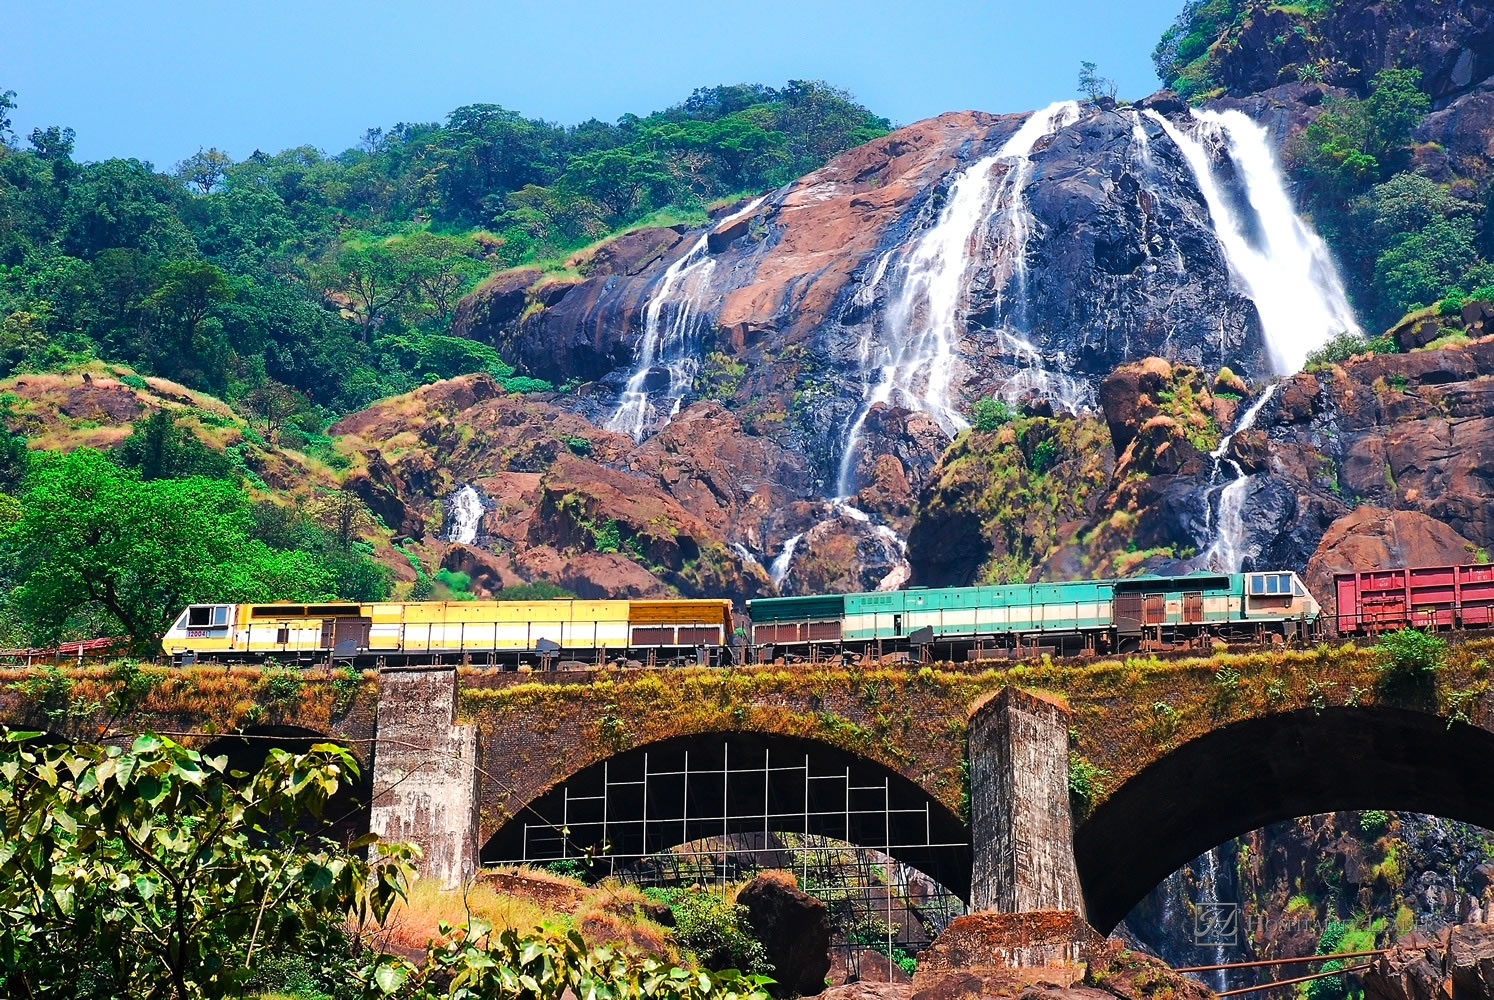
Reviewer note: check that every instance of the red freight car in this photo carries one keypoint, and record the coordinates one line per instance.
(1435, 597)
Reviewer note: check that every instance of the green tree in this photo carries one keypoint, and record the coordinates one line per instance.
(154, 873)
(95, 539)
(1092, 85)
(204, 169)
(7, 106)
(160, 449)
(373, 279)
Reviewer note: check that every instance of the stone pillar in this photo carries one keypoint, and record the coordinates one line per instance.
(1022, 833)
(425, 772)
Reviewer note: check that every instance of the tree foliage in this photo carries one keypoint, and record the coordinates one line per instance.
(97, 540)
(153, 872)
(326, 276)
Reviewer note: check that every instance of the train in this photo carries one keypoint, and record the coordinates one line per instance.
(489, 633)
(1080, 617)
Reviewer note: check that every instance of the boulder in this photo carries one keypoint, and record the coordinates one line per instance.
(629, 252)
(1412, 970)
(491, 311)
(794, 928)
(1470, 961)
(1371, 537)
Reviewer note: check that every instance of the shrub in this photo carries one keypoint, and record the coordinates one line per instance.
(1373, 822)
(1044, 456)
(1409, 655)
(714, 929)
(1085, 779)
(988, 414)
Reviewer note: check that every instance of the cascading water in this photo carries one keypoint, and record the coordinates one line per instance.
(1208, 895)
(1279, 262)
(1228, 550)
(464, 516)
(927, 318)
(778, 569)
(669, 340)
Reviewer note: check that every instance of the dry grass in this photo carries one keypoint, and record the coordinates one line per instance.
(608, 913)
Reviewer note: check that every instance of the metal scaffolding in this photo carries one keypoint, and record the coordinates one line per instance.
(873, 846)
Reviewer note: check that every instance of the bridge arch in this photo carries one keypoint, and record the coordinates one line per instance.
(658, 796)
(1258, 771)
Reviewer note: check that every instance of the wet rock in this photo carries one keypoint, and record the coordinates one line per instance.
(846, 552)
(630, 252)
(794, 928)
(491, 311)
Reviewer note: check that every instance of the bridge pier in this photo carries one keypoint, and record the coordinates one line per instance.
(425, 772)
(1021, 829)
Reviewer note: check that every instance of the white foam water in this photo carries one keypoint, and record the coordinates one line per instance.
(671, 322)
(1228, 550)
(1278, 261)
(464, 518)
(779, 568)
(927, 318)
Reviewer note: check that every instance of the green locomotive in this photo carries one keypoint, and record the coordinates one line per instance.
(1101, 616)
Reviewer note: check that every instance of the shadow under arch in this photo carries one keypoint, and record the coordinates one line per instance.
(346, 815)
(1249, 774)
(650, 799)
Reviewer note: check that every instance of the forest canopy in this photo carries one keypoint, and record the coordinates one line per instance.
(333, 278)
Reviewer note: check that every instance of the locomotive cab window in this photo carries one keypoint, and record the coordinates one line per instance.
(1271, 584)
(207, 616)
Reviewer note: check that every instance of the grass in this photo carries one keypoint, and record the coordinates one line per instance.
(607, 913)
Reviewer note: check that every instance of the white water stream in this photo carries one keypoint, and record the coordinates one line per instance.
(465, 516)
(1228, 550)
(671, 322)
(1278, 261)
(926, 320)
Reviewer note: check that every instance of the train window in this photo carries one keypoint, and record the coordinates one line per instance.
(282, 635)
(207, 615)
(1270, 583)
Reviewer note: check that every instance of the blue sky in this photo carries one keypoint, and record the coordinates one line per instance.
(156, 79)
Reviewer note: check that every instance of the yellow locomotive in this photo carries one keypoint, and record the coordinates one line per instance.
(492, 633)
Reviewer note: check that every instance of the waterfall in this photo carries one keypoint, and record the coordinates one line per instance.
(1140, 139)
(464, 515)
(1279, 262)
(778, 569)
(1209, 894)
(1227, 552)
(670, 339)
(927, 318)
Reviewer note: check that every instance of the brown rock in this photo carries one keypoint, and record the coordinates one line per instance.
(794, 928)
(1371, 537)
(1131, 975)
(630, 252)
(487, 572)
(1127, 397)
(104, 403)
(491, 311)
(1048, 946)
(1470, 961)
(1412, 970)
(868, 991)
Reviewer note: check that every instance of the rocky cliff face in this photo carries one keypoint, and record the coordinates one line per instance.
(849, 322)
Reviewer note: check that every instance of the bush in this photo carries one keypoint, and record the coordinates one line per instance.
(988, 414)
(1409, 655)
(714, 929)
(1084, 782)
(1373, 822)
(1044, 456)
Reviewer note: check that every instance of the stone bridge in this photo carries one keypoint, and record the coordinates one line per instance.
(1043, 785)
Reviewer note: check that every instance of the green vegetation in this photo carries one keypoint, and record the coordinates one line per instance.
(1405, 241)
(300, 285)
(153, 872)
(1409, 655)
(989, 414)
(713, 928)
